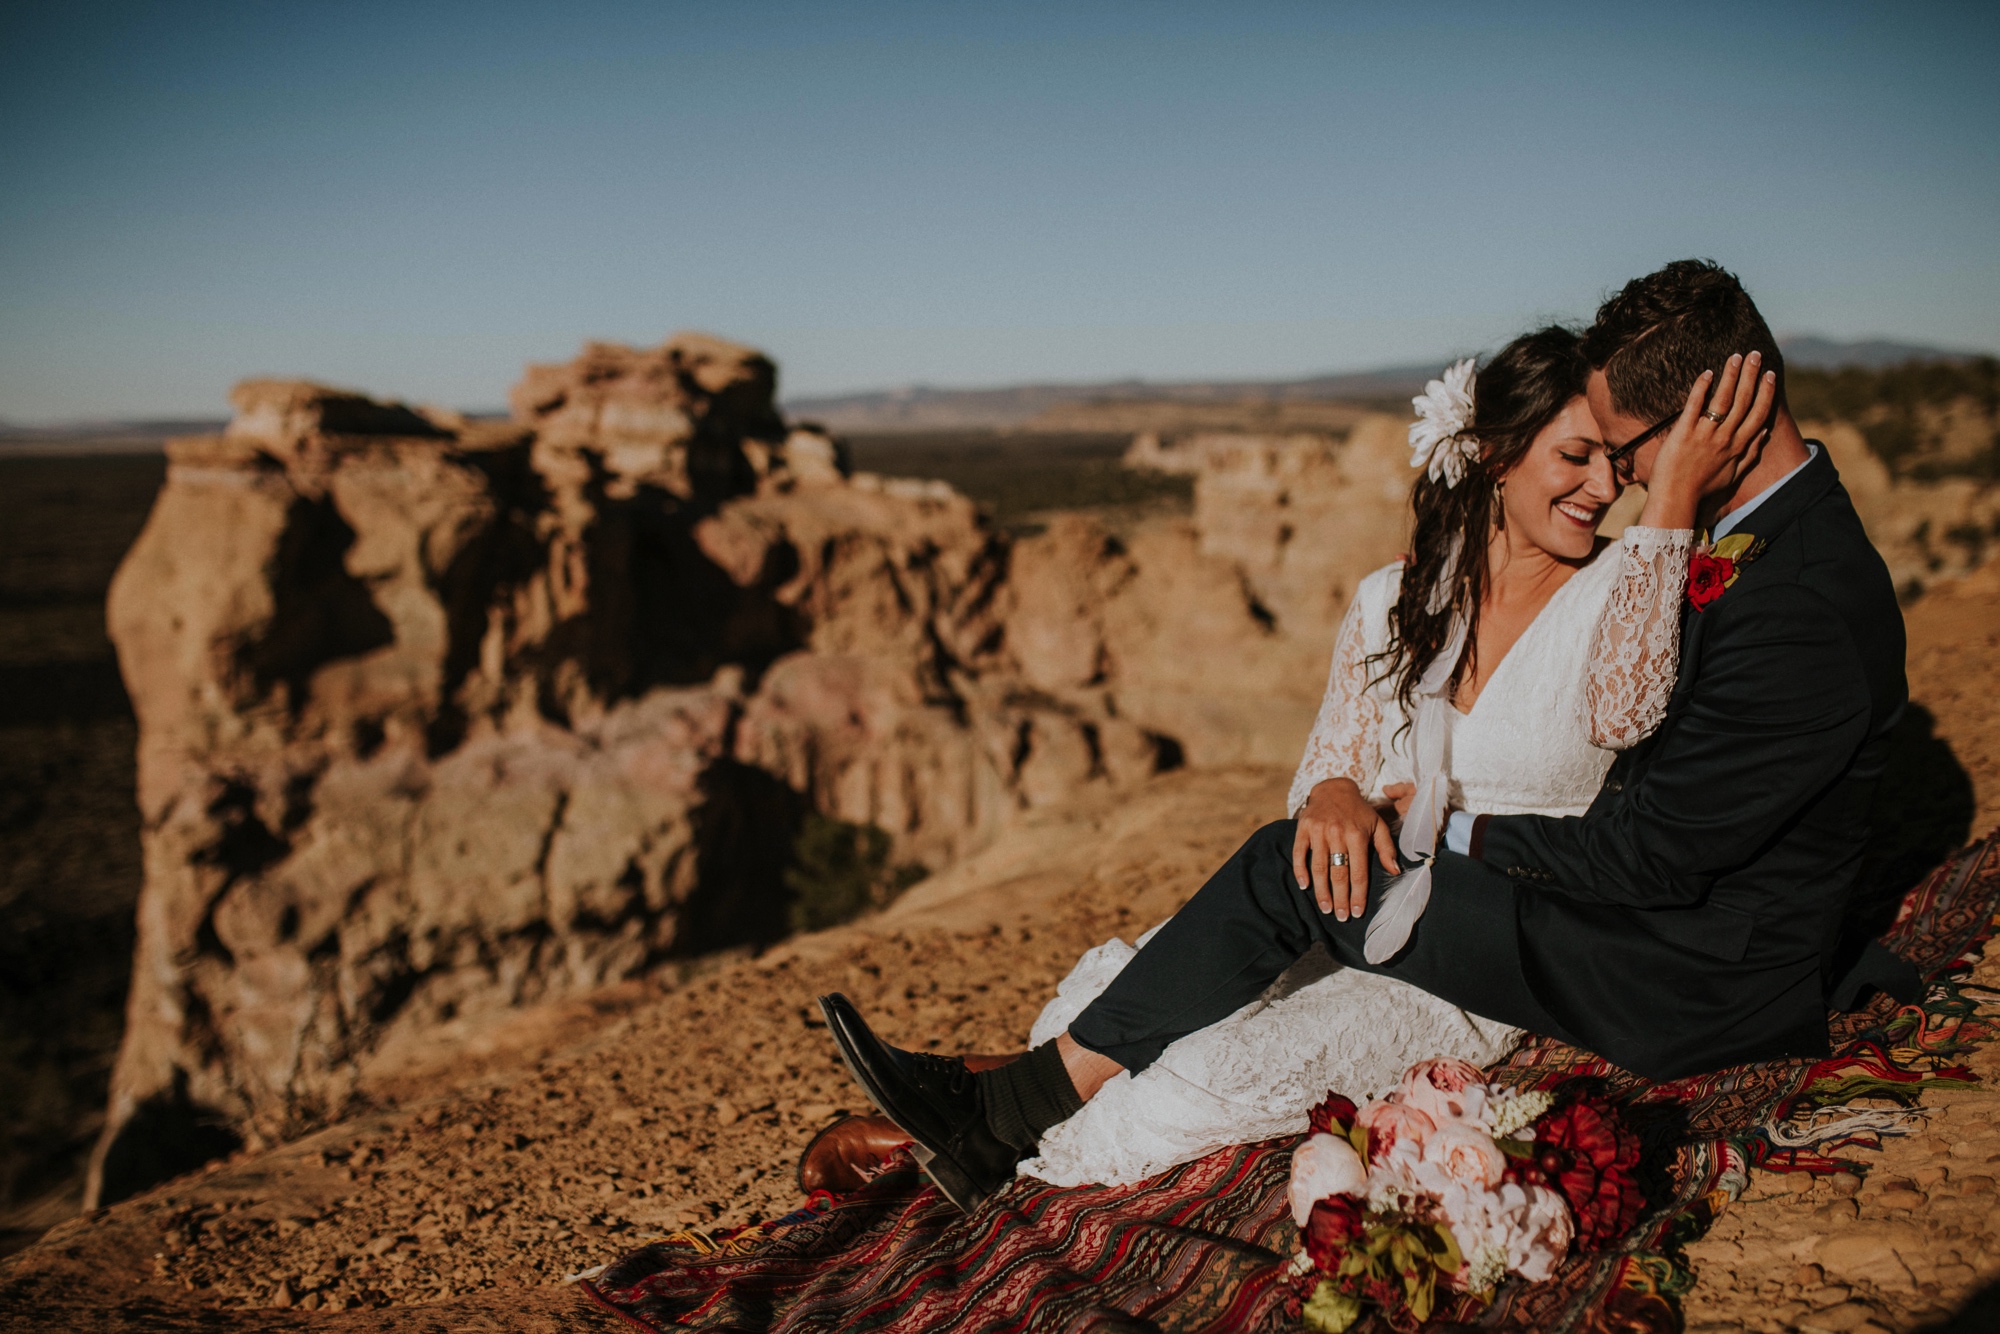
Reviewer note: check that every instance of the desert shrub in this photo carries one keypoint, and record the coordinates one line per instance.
(1974, 538)
(1983, 466)
(1898, 407)
(1852, 391)
(1018, 477)
(1894, 440)
(840, 871)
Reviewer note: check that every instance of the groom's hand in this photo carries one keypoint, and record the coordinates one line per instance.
(1338, 819)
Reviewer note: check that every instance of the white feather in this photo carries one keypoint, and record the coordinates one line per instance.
(1402, 902)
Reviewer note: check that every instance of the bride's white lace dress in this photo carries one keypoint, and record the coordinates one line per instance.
(1589, 677)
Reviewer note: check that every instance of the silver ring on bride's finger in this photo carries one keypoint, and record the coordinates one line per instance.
(1336, 859)
(1715, 417)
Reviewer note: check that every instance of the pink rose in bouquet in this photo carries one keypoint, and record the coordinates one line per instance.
(1543, 1236)
(1324, 1166)
(1444, 1088)
(1457, 1154)
(1447, 1074)
(1518, 1229)
(1391, 1123)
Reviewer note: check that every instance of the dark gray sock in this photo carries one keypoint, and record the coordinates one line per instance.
(1024, 1098)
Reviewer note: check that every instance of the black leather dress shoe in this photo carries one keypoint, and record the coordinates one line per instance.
(933, 1099)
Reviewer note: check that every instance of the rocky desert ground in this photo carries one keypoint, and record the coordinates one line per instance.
(1073, 719)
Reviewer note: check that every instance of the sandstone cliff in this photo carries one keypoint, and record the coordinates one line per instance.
(1925, 530)
(440, 717)
(1230, 634)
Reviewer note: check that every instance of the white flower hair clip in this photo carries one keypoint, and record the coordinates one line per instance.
(1437, 437)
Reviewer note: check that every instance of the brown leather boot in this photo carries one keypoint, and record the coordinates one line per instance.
(842, 1157)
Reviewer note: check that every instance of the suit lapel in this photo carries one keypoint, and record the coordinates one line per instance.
(1767, 522)
(1692, 623)
(1794, 498)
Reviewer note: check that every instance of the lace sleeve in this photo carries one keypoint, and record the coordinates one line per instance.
(1346, 736)
(1635, 655)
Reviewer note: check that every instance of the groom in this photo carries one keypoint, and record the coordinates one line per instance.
(1687, 921)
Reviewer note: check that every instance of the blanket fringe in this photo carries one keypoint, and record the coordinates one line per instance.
(1823, 1124)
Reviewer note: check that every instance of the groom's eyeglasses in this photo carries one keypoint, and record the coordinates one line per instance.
(1620, 458)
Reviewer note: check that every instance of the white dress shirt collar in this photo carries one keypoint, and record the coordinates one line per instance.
(1742, 512)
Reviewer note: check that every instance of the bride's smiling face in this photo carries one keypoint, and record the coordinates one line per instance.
(1555, 497)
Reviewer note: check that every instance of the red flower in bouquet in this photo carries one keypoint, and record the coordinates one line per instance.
(1708, 576)
(1334, 1225)
(1588, 1154)
(1334, 1116)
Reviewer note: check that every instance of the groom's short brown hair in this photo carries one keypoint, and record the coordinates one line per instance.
(1658, 334)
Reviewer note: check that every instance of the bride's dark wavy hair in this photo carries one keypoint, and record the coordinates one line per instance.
(1517, 393)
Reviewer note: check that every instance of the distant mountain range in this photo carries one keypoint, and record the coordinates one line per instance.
(139, 435)
(922, 407)
(1874, 354)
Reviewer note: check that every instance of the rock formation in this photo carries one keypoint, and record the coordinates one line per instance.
(1925, 530)
(1217, 631)
(439, 717)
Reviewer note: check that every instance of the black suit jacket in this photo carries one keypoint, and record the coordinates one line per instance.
(1688, 920)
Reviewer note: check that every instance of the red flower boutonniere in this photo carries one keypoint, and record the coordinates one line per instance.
(1714, 566)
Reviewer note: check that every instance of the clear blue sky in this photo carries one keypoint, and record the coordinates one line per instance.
(416, 198)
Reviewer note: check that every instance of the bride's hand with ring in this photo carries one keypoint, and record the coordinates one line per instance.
(1718, 438)
(1337, 826)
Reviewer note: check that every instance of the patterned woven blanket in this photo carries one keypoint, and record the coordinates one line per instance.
(1203, 1247)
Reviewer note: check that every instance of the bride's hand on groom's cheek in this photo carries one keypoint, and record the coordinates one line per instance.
(1337, 819)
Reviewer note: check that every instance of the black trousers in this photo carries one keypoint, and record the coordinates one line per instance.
(1251, 921)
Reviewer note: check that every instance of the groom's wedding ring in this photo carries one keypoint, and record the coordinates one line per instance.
(1337, 859)
(1715, 417)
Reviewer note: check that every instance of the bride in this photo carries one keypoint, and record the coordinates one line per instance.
(1497, 668)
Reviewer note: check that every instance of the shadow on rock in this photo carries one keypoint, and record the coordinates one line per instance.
(168, 1135)
(744, 837)
(1981, 1315)
(320, 611)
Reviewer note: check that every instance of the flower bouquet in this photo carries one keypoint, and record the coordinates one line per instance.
(1439, 1191)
